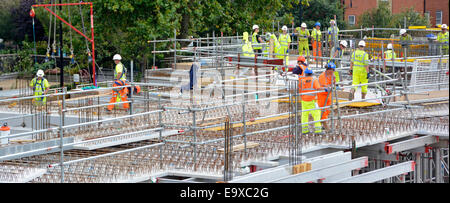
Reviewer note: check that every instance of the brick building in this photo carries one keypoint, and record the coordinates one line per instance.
(437, 10)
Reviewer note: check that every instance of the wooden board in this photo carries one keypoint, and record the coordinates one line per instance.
(432, 95)
(241, 147)
(237, 125)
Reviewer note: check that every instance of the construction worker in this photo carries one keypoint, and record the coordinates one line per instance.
(309, 101)
(390, 54)
(285, 41)
(316, 41)
(247, 48)
(119, 95)
(359, 68)
(40, 86)
(443, 38)
(256, 39)
(326, 80)
(119, 71)
(303, 36)
(338, 53)
(333, 34)
(405, 40)
(300, 67)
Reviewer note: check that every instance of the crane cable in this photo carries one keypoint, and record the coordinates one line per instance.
(49, 36)
(72, 56)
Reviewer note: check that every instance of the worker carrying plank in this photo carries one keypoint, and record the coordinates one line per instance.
(326, 80)
(40, 87)
(308, 85)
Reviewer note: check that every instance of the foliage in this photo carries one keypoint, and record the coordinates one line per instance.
(383, 17)
(413, 18)
(321, 11)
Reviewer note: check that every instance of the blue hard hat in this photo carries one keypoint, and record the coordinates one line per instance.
(308, 71)
(317, 24)
(331, 65)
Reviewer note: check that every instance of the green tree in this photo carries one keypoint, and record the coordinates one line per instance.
(322, 11)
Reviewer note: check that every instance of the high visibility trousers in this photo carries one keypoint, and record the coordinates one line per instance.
(317, 49)
(284, 50)
(39, 101)
(360, 77)
(306, 105)
(322, 103)
(120, 96)
(303, 48)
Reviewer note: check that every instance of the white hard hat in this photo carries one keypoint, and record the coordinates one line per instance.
(117, 57)
(332, 21)
(389, 46)
(344, 43)
(284, 28)
(362, 43)
(444, 26)
(268, 35)
(402, 31)
(304, 25)
(255, 27)
(40, 73)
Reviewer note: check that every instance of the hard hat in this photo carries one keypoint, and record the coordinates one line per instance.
(304, 25)
(301, 59)
(40, 73)
(362, 43)
(344, 43)
(255, 27)
(308, 71)
(444, 26)
(268, 35)
(331, 65)
(389, 46)
(317, 24)
(332, 21)
(284, 28)
(117, 57)
(402, 31)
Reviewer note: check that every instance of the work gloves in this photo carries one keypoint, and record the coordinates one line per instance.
(350, 72)
(368, 75)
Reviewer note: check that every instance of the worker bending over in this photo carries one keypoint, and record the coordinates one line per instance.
(316, 41)
(337, 55)
(40, 87)
(285, 42)
(359, 68)
(247, 48)
(308, 85)
(326, 81)
(443, 38)
(119, 95)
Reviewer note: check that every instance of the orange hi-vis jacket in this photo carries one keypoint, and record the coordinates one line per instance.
(308, 84)
(303, 67)
(325, 81)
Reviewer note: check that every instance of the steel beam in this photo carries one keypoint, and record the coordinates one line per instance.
(381, 174)
(411, 144)
(286, 170)
(325, 172)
